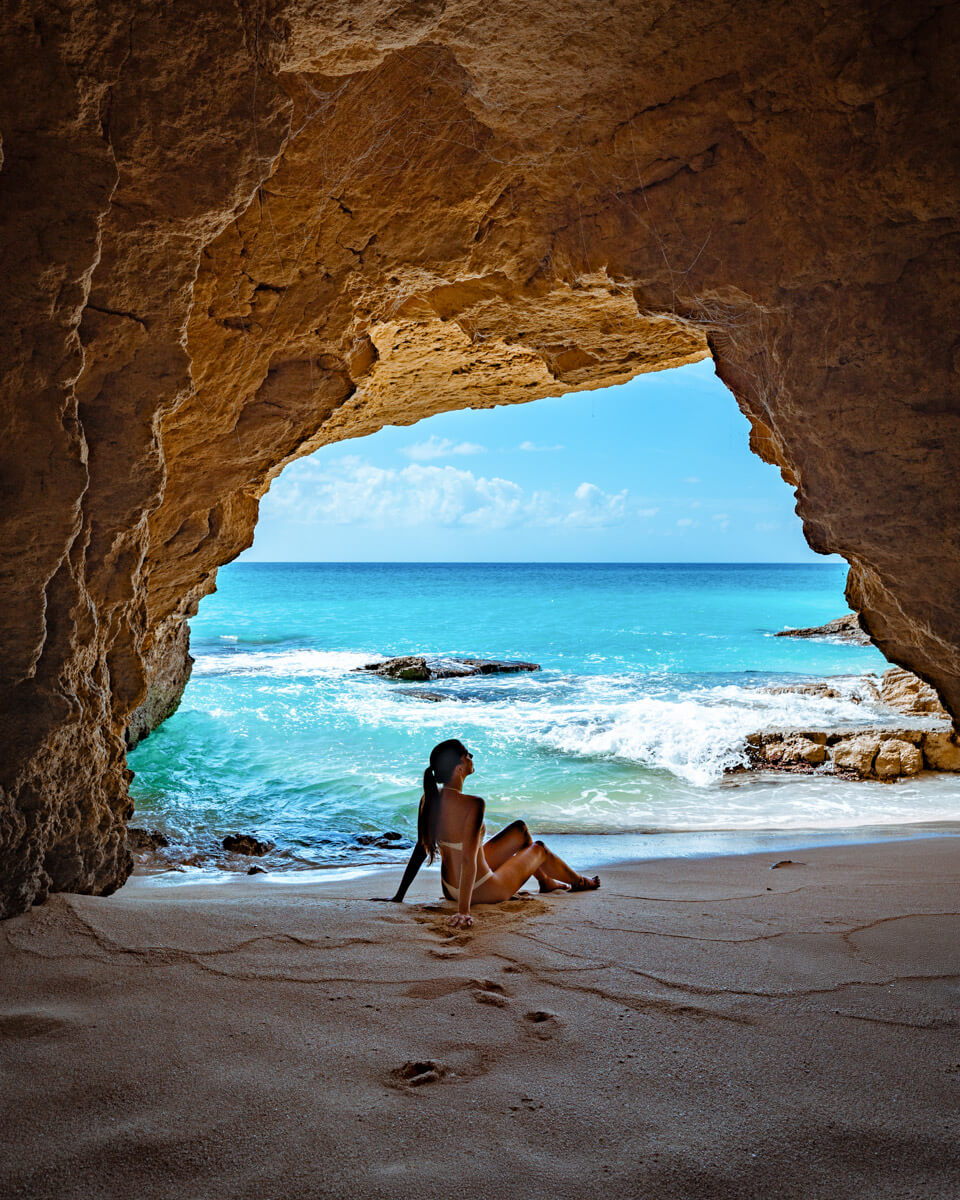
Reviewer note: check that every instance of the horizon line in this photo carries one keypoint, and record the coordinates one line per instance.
(531, 562)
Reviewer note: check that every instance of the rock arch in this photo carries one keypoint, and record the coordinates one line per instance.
(234, 233)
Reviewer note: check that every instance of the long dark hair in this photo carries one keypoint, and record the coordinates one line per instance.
(444, 760)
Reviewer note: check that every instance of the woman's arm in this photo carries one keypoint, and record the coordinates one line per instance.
(417, 858)
(468, 866)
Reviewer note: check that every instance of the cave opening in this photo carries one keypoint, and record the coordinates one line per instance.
(625, 539)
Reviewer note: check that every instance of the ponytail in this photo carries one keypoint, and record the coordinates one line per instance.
(443, 762)
(429, 812)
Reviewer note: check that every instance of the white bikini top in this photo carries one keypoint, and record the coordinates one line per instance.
(459, 845)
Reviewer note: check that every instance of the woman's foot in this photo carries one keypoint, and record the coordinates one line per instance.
(553, 885)
(586, 884)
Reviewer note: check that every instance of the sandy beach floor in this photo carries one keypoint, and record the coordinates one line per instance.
(699, 1028)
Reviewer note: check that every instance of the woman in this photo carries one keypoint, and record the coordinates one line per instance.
(471, 869)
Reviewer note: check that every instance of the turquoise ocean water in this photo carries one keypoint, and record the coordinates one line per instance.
(651, 677)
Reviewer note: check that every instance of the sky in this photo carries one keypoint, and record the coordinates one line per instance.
(654, 470)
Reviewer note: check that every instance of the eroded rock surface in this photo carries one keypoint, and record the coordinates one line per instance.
(167, 666)
(905, 693)
(868, 753)
(232, 237)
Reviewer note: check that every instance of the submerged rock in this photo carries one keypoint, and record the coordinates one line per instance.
(245, 843)
(845, 629)
(421, 667)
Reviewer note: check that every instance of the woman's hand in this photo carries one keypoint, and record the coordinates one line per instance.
(460, 921)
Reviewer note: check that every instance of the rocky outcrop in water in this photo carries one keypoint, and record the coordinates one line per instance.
(868, 753)
(246, 843)
(420, 668)
(840, 629)
(231, 238)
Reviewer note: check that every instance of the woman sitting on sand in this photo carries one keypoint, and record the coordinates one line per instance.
(487, 872)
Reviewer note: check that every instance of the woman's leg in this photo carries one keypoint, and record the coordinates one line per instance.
(510, 841)
(511, 875)
(534, 860)
(556, 868)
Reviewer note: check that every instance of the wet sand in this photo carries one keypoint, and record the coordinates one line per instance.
(698, 1028)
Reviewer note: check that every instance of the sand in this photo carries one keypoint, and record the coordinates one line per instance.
(699, 1028)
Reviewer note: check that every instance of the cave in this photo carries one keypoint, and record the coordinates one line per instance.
(233, 235)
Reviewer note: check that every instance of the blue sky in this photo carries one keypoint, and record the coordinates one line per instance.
(656, 470)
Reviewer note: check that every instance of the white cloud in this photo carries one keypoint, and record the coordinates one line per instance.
(352, 491)
(766, 526)
(685, 523)
(646, 512)
(692, 479)
(435, 447)
(533, 448)
(722, 520)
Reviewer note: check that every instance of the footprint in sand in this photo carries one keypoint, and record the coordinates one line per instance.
(418, 1073)
(491, 993)
(543, 1023)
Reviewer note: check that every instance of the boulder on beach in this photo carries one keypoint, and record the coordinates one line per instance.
(421, 667)
(843, 629)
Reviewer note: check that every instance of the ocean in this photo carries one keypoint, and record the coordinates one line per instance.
(651, 676)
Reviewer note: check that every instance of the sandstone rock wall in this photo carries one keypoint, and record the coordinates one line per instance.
(166, 668)
(234, 233)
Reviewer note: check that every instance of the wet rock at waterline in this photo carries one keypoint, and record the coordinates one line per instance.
(245, 843)
(392, 840)
(866, 753)
(422, 667)
(143, 840)
(857, 689)
(897, 689)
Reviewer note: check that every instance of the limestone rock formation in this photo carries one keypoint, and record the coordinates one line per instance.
(903, 691)
(862, 753)
(232, 234)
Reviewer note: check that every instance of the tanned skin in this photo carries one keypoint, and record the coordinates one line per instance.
(512, 854)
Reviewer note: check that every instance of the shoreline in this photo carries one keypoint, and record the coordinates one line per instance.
(587, 850)
(699, 1028)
